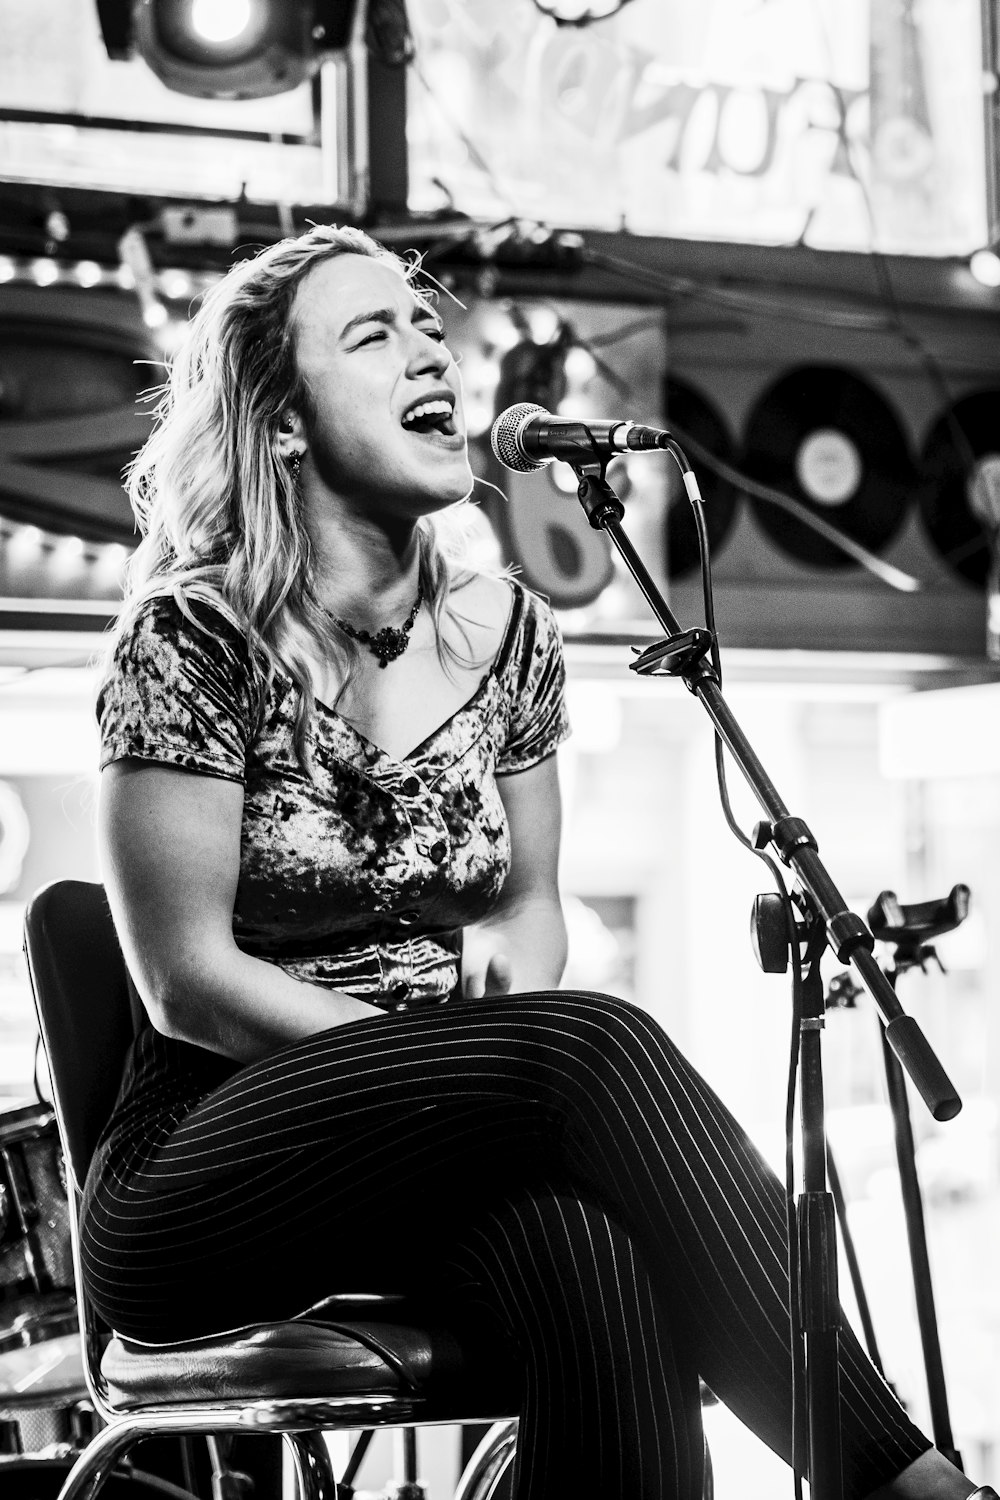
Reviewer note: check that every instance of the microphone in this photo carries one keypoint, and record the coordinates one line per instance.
(527, 437)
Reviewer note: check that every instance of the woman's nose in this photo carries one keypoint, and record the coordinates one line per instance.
(428, 353)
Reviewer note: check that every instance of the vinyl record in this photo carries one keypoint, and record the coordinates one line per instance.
(960, 483)
(830, 440)
(689, 414)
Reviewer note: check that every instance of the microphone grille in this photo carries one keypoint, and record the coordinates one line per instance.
(505, 434)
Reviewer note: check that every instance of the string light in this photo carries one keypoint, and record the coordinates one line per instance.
(44, 272)
(175, 284)
(154, 314)
(24, 545)
(985, 267)
(62, 555)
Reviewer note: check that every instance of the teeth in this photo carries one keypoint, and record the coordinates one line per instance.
(428, 409)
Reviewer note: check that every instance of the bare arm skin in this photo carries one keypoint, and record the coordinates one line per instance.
(521, 945)
(170, 851)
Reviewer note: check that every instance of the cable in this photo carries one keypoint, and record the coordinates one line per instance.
(883, 276)
(798, 1374)
(475, 155)
(894, 577)
(860, 322)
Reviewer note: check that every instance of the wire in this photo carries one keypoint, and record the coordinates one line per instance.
(475, 155)
(862, 322)
(894, 577)
(908, 337)
(798, 1377)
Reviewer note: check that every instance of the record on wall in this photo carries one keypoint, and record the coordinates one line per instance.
(959, 493)
(829, 439)
(690, 414)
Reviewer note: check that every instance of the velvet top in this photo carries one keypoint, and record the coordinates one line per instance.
(360, 876)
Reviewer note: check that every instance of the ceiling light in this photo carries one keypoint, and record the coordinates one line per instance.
(227, 49)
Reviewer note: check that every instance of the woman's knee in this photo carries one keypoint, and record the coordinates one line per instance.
(606, 1020)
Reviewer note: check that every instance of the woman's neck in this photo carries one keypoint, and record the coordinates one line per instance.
(365, 572)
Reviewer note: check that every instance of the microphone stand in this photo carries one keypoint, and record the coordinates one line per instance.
(825, 919)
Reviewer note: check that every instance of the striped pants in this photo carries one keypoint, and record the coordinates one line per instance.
(550, 1162)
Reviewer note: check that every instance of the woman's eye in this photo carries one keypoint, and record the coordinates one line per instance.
(435, 333)
(373, 338)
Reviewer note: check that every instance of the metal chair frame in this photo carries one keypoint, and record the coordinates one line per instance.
(72, 953)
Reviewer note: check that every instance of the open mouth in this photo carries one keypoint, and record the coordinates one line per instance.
(432, 417)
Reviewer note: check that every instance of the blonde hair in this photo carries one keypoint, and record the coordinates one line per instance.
(216, 502)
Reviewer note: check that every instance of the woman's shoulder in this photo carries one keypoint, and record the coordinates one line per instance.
(179, 688)
(181, 639)
(181, 618)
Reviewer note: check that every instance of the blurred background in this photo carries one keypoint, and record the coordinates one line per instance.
(770, 225)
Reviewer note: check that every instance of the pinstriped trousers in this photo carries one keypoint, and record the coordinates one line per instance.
(549, 1163)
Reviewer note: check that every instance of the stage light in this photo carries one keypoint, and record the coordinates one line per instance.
(220, 20)
(227, 49)
(985, 267)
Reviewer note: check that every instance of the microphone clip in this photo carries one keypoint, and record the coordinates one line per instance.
(685, 654)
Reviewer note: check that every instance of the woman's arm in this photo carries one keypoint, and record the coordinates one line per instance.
(170, 850)
(521, 945)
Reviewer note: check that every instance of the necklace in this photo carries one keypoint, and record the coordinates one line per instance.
(389, 642)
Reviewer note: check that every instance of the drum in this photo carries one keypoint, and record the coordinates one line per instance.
(37, 1297)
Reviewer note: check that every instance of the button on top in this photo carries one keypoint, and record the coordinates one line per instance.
(437, 851)
(410, 787)
(407, 918)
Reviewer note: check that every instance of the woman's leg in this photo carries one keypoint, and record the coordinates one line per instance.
(612, 1400)
(325, 1140)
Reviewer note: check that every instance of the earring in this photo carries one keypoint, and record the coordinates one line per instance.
(294, 465)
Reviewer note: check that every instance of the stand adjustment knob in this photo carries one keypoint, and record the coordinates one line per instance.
(769, 933)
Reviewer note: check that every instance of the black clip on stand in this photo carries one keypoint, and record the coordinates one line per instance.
(909, 929)
(686, 654)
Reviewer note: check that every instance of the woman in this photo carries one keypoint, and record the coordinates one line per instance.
(328, 750)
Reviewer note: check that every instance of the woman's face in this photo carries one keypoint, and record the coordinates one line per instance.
(386, 430)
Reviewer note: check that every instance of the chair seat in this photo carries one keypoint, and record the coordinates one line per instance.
(336, 1349)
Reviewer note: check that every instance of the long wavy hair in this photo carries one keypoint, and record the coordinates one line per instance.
(216, 503)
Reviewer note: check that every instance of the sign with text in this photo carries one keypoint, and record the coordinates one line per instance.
(846, 124)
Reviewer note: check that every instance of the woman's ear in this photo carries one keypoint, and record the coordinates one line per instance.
(290, 434)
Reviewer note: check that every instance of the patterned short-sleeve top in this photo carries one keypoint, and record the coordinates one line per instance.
(361, 875)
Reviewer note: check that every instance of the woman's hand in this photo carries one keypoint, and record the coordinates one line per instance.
(486, 965)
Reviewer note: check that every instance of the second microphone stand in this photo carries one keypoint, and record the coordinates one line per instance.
(687, 654)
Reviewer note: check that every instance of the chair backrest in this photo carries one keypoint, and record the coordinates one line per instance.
(84, 1007)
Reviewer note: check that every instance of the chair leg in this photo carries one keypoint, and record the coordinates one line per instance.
(489, 1463)
(102, 1453)
(313, 1469)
